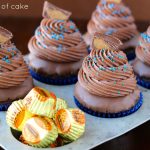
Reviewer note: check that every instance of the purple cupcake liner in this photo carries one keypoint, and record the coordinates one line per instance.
(4, 106)
(57, 81)
(130, 55)
(143, 83)
(111, 115)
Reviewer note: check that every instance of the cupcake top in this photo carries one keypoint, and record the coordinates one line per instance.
(143, 48)
(113, 17)
(106, 71)
(57, 39)
(13, 69)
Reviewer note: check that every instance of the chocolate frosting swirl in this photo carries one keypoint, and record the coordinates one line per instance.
(143, 48)
(107, 73)
(112, 18)
(58, 41)
(13, 69)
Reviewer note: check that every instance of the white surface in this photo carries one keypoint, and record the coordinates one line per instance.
(98, 130)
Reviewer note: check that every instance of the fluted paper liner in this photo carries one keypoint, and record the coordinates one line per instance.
(70, 123)
(61, 104)
(41, 102)
(17, 115)
(39, 132)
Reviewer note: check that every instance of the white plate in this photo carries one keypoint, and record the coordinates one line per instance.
(98, 130)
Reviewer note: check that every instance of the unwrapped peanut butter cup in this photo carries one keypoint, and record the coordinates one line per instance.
(114, 1)
(101, 41)
(53, 12)
(5, 35)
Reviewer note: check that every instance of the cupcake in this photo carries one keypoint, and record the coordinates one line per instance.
(39, 132)
(113, 17)
(106, 84)
(57, 49)
(15, 80)
(17, 115)
(141, 65)
(41, 102)
(70, 123)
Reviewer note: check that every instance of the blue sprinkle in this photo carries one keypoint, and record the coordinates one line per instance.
(103, 2)
(95, 59)
(61, 27)
(61, 36)
(120, 56)
(77, 30)
(38, 32)
(102, 15)
(112, 69)
(97, 7)
(3, 58)
(72, 27)
(122, 10)
(39, 43)
(12, 54)
(101, 68)
(9, 49)
(146, 37)
(14, 48)
(125, 17)
(110, 31)
(111, 6)
(59, 48)
(115, 12)
(7, 61)
(125, 67)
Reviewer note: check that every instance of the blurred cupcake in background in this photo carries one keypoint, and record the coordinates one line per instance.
(15, 80)
(113, 17)
(57, 49)
(141, 65)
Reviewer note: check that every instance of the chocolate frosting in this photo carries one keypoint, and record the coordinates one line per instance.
(57, 41)
(141, 65)
(15, 80)
(112, 18)
(143, 48)
(107, 73)
(13, 69)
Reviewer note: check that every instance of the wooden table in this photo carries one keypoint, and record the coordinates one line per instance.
(23, 29)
